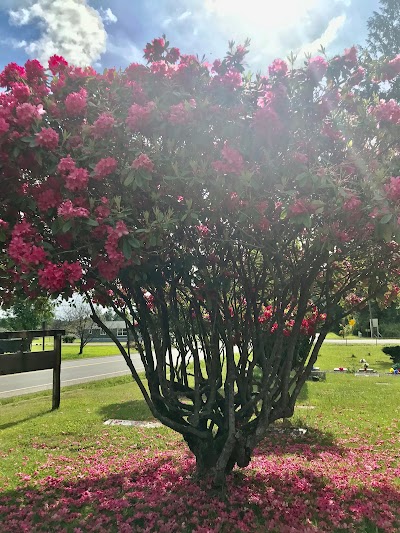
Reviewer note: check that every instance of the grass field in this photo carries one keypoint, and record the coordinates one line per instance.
(71, 351)
(66, 471)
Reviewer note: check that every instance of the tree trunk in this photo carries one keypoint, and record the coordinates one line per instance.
(81, 346)
(208, 452)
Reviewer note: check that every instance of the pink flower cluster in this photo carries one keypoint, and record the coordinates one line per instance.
(387, 111)
(317, 67)
(392, 68)
(67, 210)
(57, 64)
(76, 179)
(105, 167)
(103, 125)
(278, 68)
(21, 92)
(181, 113)
(4, 126)
(139, 116)
(55, 277)
(12, 73)
(393, 188)
(23, 248)
(47, 138)
(76, 103)
(27, 114)
(232, 161)
(143, 162)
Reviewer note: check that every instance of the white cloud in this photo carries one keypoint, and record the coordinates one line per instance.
(184, 15)
(166, 22)
(70, 28)
(107, 15)
(327, 37)
(14, 43)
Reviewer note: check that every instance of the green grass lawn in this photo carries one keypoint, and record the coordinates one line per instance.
(71, 351)
(348, 356)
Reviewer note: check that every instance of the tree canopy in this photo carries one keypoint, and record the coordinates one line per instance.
(384, 29)
(223, 217)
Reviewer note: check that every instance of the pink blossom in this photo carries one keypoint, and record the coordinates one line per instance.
(267, 122)
(203, 230)
(34, 70)
(66, 165)
(55, 277)
(392, 68)
(139, 116)
(181, 113)
(393, 189)
(21, 92)
(47, 138)
(352, 204)
(300, 158)
(300, 207)
(11, 73)
(48, 199)
(108, 269)
(387, 111)
(4, 126)
(27, 114)
(232, 79)
(350, 56)
(67, 211)
(278, 68)
(103, 125)
(143, 162)
(105, 167)
(232, 161)
(57, 64)
(77, 179)
(75, 103)
(317, 67)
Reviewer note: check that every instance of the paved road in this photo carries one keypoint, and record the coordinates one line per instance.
(72, 372)
(363, 341)
(81, 370)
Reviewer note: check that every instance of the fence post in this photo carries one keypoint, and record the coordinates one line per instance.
(57, 372)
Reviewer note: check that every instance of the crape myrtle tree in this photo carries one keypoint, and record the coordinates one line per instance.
(224, 217)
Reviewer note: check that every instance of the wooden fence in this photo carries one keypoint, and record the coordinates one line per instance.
(16, 357)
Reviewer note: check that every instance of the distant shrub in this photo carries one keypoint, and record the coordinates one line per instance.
(393, 352)
(68, 339)
(390, 330)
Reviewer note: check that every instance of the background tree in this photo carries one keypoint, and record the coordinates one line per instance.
(26, 314)
(226, 215)
(384, 29)
(76, 316)
(384, 41)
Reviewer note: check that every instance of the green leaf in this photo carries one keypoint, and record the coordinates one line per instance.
(92, 222)
(130, 178)
(133, 242)
(386, 218)
(126, 249)
(66, 226)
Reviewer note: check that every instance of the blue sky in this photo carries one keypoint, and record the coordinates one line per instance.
(107, 33)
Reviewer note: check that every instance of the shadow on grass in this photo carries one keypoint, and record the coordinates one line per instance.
(283, 438)
(156, 492)
(132, 410)
(32, 417)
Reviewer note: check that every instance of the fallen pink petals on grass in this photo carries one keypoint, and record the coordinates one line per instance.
(291, 485)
